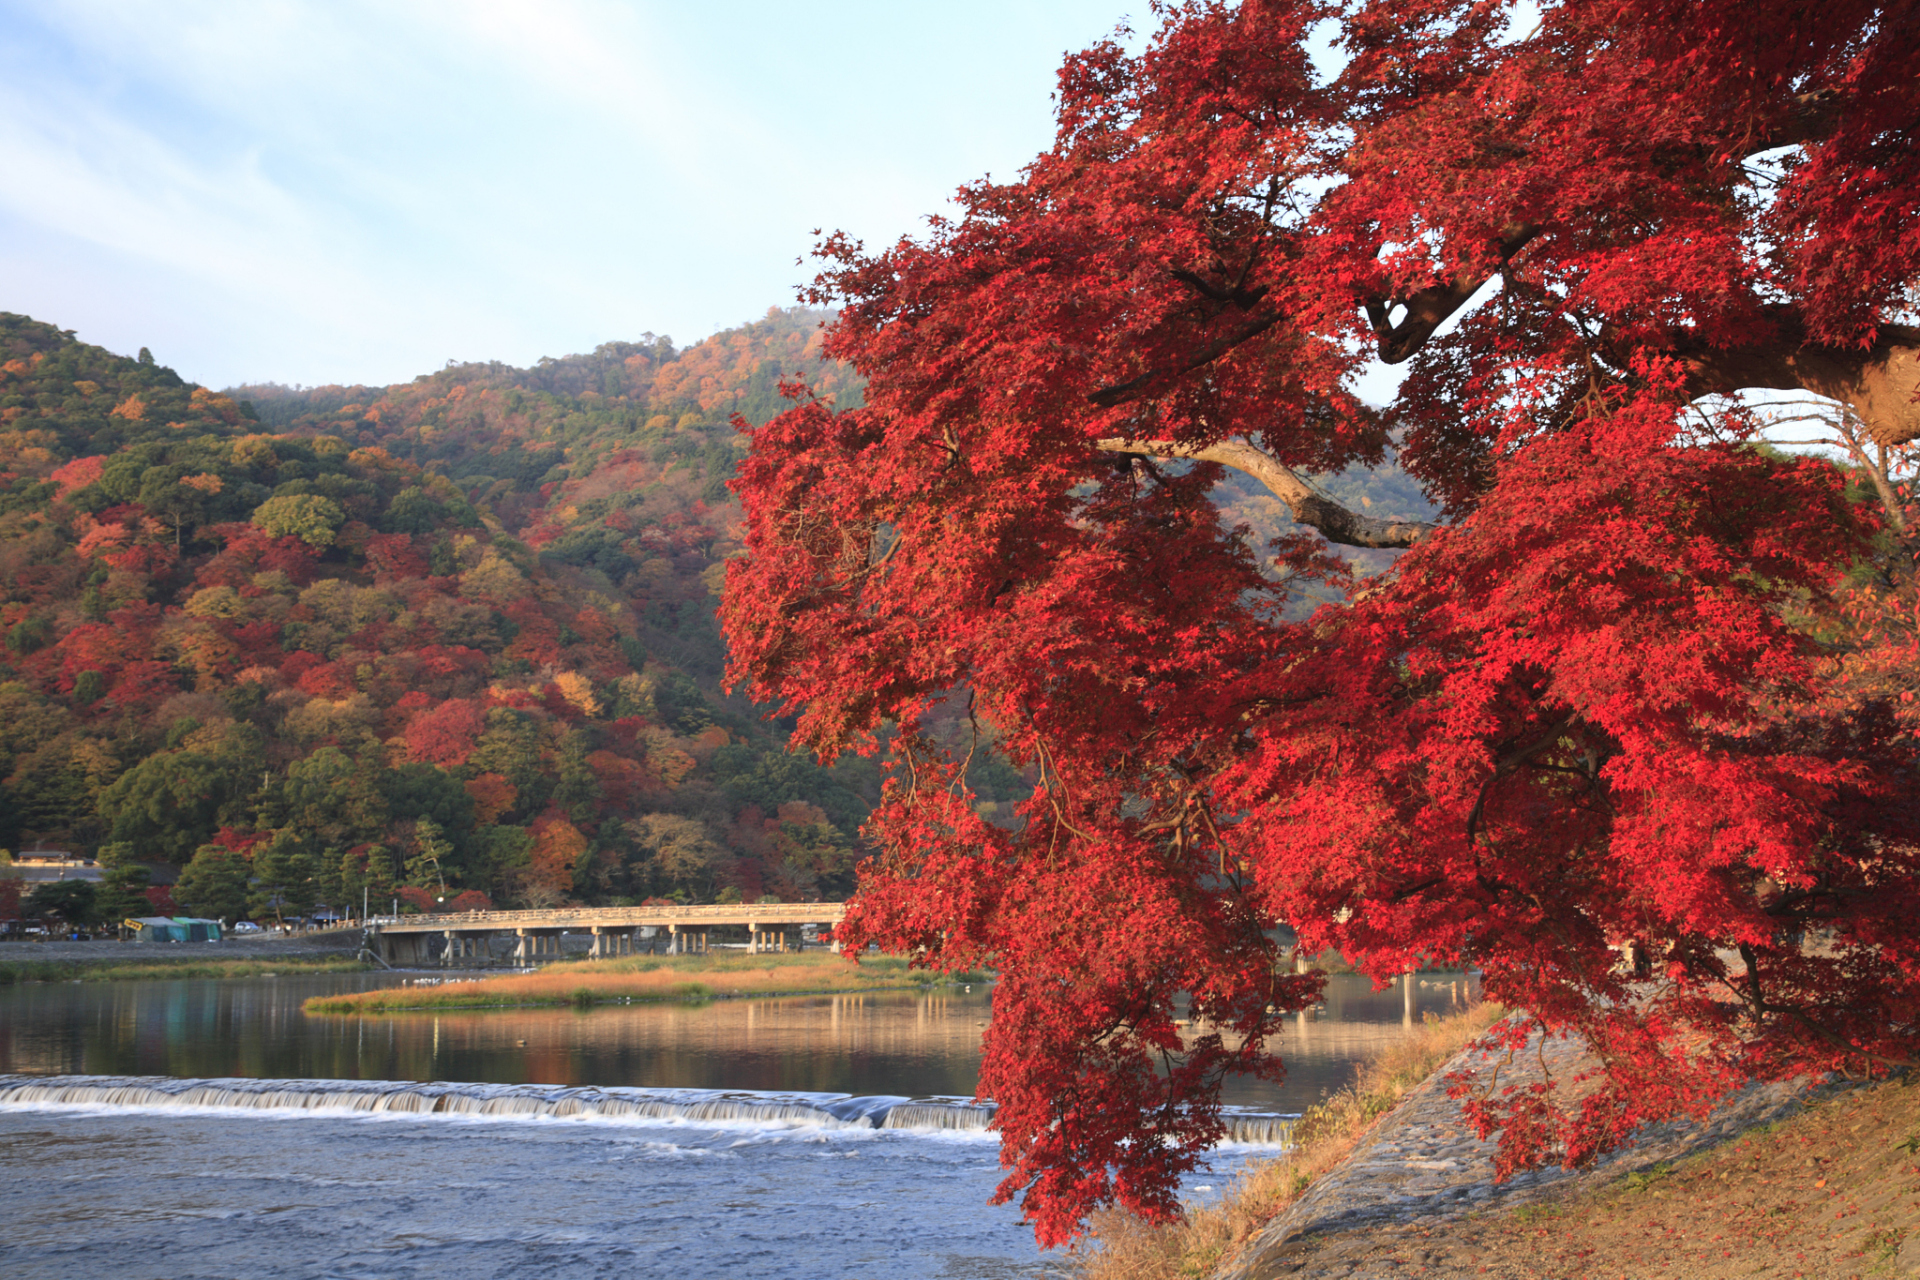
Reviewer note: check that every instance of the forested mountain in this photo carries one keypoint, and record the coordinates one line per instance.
(454, 635)
(448, 637)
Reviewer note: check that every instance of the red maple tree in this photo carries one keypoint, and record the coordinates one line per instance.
(1622, 698)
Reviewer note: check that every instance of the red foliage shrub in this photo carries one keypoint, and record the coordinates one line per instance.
(444, 735)
(77, 474)
(422, 900)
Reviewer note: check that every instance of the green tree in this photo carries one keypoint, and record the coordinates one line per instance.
(350, 879)
(71, 902)
(428, 867)
(329, 887)
(380, 876)
(334, 797)
(50, 793)
(306, 516)
(283, 878)
(577, 790)
(123, 891)
(168, 804)
(511, 747)
(500, 855)
(214, 884)
(165, 493)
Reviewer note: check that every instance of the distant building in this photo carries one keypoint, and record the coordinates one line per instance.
(49, 866)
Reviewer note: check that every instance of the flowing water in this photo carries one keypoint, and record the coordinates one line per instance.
(202, 1128)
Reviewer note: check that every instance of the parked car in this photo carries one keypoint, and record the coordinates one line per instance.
(245, 926)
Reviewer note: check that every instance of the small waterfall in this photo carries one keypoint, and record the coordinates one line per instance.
(401, 1097)
(699, 1106)
(963, 1116)
(1259, 1127)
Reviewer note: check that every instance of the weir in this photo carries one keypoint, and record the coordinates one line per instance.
(466, 939)
(709, 1106)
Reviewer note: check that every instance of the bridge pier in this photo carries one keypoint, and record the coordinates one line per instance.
(686, 940)
(610, 941)
(762, 940)
(537, 945)
(467, 947)
(405, 949)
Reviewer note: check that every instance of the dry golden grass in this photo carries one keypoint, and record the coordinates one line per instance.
(649, 978)
(1829, 1193)
(1127, 1248)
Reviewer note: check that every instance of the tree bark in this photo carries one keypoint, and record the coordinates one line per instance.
(1428, 309)
(1335, 523)
(1879, 383)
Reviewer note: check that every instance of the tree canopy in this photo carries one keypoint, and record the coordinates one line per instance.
(1645, 686)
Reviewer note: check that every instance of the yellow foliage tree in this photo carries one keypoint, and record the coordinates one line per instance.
(578, 690)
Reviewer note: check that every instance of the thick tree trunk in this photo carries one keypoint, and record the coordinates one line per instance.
(1879, 383)
(1335, 522)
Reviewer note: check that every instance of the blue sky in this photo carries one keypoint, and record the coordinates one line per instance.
(310, 192)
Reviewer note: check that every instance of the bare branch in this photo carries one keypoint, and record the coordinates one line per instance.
(1335, 522)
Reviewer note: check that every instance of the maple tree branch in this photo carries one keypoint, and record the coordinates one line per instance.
(1428, 309)
(1813, 117)
(1335, 523)
(1236, 293)
(1760, 1007)
(1879, 383)
(1876, 471)
(1137, 388)
(1508, 763)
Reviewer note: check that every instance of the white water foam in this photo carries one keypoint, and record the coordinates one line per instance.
(707, 1108)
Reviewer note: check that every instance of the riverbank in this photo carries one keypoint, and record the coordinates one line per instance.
(1129, 1249)
(244, 956)
(1831, 1192)
(1782, 1180)
(652, 979)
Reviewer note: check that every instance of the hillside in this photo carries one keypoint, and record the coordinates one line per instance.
(450, 636)
(453, 635)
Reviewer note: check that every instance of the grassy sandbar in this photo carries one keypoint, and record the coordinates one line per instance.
(651, 978)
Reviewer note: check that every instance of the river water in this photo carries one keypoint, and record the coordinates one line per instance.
(736, 1138)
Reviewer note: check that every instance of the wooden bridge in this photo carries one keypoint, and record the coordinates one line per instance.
(616, 931)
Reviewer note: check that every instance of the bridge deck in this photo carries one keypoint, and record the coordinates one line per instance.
(587, 918)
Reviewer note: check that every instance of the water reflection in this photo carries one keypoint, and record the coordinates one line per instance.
(872, 1043)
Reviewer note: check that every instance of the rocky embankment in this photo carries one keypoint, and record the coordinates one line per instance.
(1762, 1187)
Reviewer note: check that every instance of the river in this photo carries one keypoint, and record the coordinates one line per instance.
(735, 1138)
